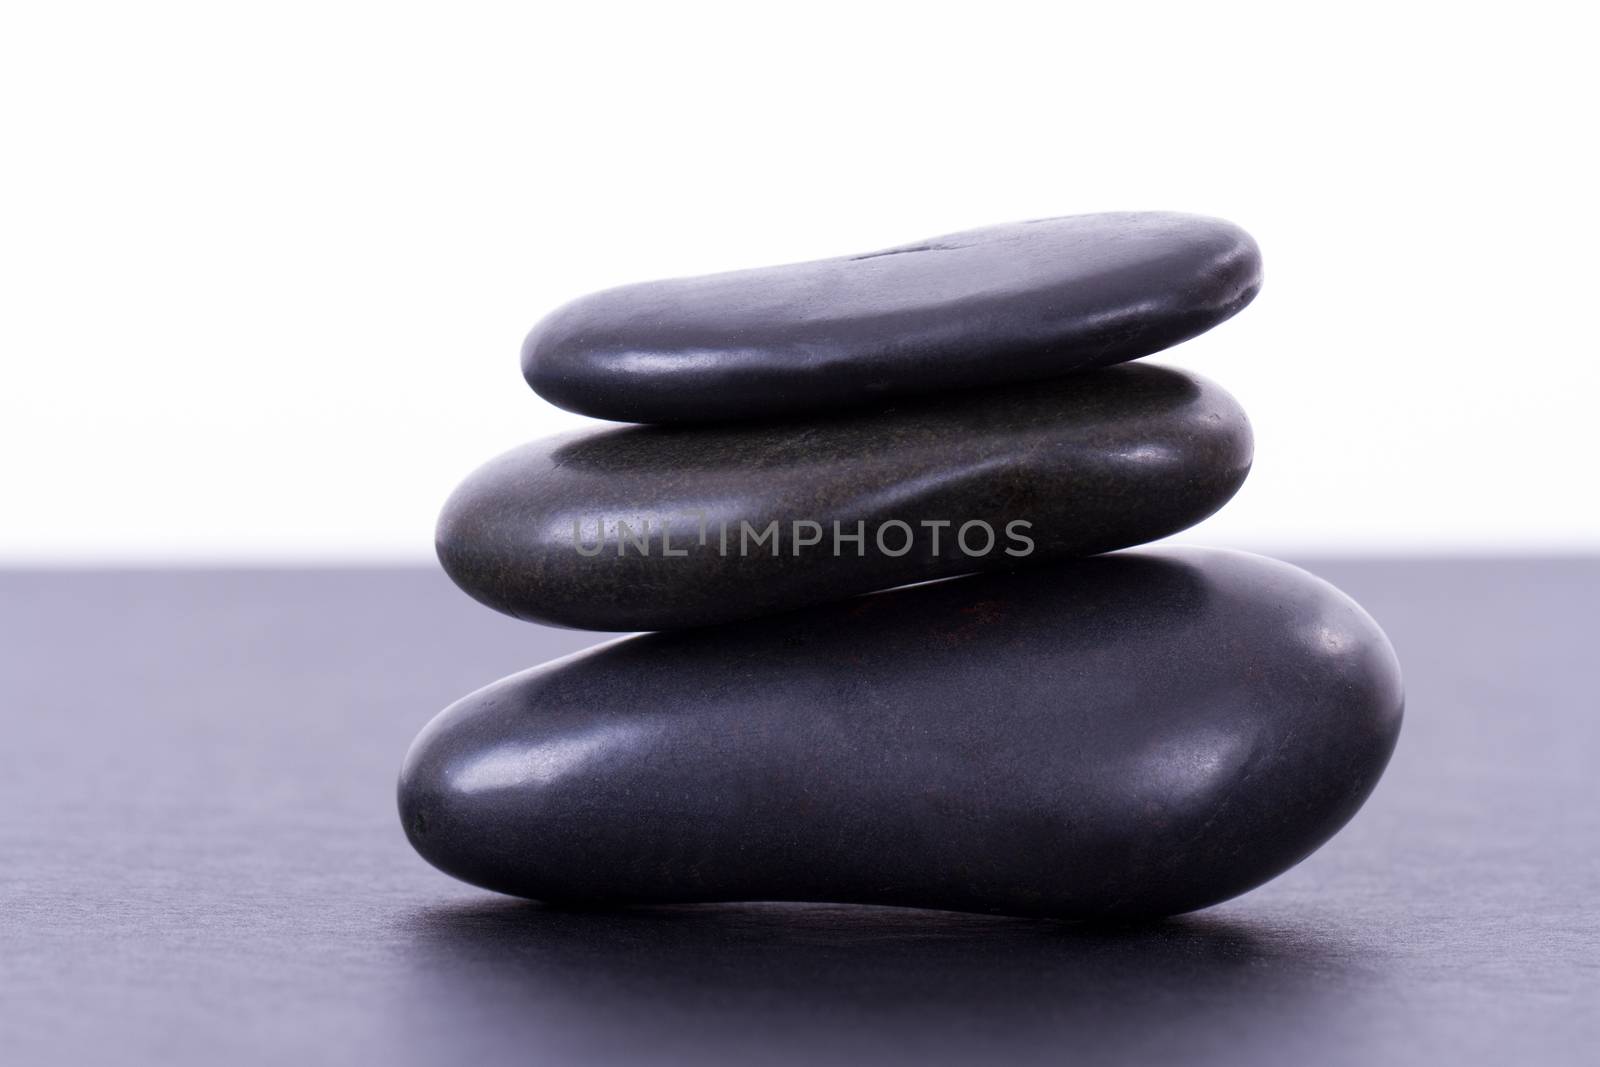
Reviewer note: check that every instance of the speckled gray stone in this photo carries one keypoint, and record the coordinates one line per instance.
(1046, 471)
(1020, 302)
(1137, 734)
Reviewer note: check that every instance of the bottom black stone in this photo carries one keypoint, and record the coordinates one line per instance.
(1136, 734)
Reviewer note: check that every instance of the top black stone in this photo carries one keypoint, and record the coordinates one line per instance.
(1020, 302)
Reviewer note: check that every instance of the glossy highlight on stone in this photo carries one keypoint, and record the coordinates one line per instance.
(1020, 302)
(1137, 734)
(647, 528)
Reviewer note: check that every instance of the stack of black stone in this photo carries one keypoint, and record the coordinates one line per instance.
(1056, 729)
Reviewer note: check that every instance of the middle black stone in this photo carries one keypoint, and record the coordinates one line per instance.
(648, 528)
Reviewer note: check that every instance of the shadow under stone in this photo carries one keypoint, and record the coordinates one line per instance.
(790, 983)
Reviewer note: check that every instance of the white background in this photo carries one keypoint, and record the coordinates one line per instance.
(266, 268)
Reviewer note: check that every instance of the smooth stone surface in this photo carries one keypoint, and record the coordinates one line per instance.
(1020, 302)
(1137, 734)
(1118, 457)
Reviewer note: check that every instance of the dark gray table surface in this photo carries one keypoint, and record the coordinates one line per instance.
(202, 863)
